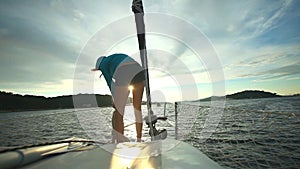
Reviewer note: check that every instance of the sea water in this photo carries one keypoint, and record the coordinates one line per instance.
(256, 133)
(253, 133)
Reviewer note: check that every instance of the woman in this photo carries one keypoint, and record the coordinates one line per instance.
(121, 71)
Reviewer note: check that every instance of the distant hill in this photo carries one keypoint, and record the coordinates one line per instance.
(16, 102)
(252, 94)
(248, 94)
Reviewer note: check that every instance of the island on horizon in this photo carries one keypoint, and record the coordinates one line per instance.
(10, 102)
(247, 94)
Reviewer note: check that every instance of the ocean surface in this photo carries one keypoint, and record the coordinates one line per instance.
(256, 133)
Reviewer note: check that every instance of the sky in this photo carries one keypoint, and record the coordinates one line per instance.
(196, 48)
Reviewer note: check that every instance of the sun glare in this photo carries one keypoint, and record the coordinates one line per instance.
(130, 87)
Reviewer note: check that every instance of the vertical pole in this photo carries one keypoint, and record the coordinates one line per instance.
(165, 106)
(176, 123)
(138, 10)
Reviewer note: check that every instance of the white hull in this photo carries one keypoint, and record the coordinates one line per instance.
(158, 154)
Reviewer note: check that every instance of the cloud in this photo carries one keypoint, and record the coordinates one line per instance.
(46, 88)
(232, 21)
(263, 62)
(39, 51)
(286, 72)
(41, 40)
(259, 20)
(270, 73)
(28, 53)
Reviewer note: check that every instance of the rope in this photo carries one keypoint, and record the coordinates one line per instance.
(51, 143)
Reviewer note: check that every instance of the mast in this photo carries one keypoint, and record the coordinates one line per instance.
(138, 10)
(151, 119)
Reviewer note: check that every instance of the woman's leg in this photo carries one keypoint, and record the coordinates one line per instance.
(120, 100)
(137, 93)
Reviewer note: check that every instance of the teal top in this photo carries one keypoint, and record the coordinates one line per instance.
(109, 64)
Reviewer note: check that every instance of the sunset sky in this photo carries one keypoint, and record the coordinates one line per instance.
(257, 43)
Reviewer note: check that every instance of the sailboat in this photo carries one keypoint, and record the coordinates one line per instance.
(73, 153)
